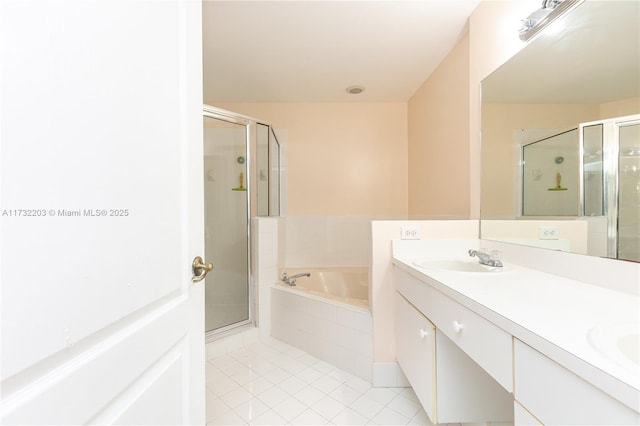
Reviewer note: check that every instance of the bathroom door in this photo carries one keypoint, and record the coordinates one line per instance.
(101, 212)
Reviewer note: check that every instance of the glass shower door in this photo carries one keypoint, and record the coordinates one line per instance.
(226, 223)
(629, 192)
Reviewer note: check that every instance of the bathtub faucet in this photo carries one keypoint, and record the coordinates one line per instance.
(291, 280)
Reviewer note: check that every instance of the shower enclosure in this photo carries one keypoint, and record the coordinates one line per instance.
(241, 180)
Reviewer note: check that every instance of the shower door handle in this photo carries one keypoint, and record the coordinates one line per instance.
(200, 269)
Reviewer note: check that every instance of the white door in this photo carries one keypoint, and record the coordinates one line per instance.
(101, 204)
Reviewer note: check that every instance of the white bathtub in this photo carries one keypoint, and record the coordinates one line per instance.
(343, 284)
(328, 316)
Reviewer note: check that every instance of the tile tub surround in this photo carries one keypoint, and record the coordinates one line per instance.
(270, 382)
(334, 332)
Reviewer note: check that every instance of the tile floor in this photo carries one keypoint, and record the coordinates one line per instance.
(272, 383)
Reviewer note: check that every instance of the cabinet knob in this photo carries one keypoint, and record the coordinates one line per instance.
(423, 333)
(457, 326)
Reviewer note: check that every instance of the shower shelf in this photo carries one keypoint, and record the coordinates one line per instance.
(238, 189)
(557, 189)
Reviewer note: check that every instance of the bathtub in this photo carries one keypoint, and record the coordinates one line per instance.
(327, 315)
(342, 284)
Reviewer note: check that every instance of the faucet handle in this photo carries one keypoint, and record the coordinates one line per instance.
(496, 255)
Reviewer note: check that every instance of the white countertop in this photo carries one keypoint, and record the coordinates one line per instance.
(552, 314)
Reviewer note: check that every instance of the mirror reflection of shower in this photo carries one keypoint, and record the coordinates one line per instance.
(592, 172)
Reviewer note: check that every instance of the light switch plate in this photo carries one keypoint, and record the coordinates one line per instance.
(410, 233)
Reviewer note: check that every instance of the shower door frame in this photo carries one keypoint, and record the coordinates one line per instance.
(230, 117)
(610, 173)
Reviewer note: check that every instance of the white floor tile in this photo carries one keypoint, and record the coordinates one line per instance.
(309, 396)
(366, 407)
(420, 419)
(328, 407)
(236, 397)
(258, 386)
(245, 376)
(388, 416)
(273, 396)
(309, 417)
(326, 384)
(262, 366)
(215, 407)
(358, 384)
(349, 417)
(222, 386)
(268, 418)
(290, 408)
(229, 418)
(405, 406)
(251, 409)
(274, 383)
(345, 394)
(309, 374)
(292, 385)
(293, 367)
(382, 395)
(276, 376)
(323, 366)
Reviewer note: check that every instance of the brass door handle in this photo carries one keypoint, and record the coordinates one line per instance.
(200, 269)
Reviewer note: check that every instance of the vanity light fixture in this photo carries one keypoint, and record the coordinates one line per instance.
(549, 12)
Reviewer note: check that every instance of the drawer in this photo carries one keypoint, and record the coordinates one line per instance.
(488, 345)
(415, 351)
(555, 395)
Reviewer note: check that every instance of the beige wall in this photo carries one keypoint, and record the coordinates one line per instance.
(619, 108)
(342, 158)
(439, 140)
(493, 29)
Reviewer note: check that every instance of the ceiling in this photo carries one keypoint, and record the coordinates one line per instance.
(311, 51)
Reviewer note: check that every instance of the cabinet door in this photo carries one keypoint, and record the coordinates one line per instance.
(415, 348)
(557, 396)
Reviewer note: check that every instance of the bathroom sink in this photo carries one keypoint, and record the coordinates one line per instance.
(619, 342)
(456, 265)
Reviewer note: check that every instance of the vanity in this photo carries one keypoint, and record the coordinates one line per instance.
(512, 343)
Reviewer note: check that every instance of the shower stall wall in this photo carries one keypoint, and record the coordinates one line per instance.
(235, 185)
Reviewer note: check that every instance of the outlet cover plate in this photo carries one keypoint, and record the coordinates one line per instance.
(410, 233)
(549, 233)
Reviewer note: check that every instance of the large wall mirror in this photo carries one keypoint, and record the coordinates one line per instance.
(561, 138)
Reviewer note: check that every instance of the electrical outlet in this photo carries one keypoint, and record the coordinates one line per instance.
(549, 232)
(410, 233)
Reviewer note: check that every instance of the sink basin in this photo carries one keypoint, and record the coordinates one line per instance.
(619, 342)
(457, 265)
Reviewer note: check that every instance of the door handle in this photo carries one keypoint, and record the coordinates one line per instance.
(200, 269)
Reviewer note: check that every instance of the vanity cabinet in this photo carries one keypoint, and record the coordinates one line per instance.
(552, 394)
(450, 385)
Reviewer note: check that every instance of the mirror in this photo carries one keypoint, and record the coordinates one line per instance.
(583, 68)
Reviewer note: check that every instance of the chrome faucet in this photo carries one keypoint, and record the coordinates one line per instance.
(485, 258)
(291, 280)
